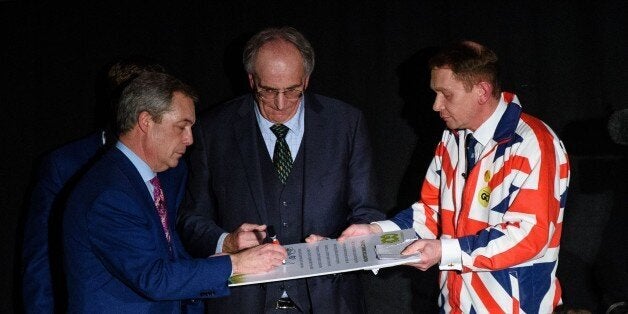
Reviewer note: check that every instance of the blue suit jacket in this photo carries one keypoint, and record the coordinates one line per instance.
(226, 189)
(43, 281)
(116, 256)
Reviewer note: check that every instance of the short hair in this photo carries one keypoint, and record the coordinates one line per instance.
(124, 70)
(286, 33)
(151, 92)
(470, 63)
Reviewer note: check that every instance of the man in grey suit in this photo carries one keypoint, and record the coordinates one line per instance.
(285, 158)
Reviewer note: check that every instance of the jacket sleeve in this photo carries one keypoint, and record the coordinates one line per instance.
(362, 198)
(195, 223)
(125, 237)
(37, 280)
(424, 215)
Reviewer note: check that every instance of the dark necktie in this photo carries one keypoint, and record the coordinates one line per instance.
(470, 143)
(281, 156)
(160, 205)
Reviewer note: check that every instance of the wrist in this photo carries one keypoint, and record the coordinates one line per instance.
(234, 264)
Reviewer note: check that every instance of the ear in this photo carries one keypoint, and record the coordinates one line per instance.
(484, 91)
(144, 120)
(251, 81)
(306, 81)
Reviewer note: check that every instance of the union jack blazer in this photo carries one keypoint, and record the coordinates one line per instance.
(506, 216)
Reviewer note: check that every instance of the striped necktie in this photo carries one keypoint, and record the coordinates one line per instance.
(281, 156)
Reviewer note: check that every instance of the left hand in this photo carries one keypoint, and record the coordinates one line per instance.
(312, 238)
(430, 250)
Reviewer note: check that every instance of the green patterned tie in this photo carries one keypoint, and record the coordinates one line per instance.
(282, 157)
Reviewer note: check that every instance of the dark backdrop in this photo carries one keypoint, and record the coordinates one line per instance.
(565, 59)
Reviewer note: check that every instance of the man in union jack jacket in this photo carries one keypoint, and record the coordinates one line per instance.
(491, 206)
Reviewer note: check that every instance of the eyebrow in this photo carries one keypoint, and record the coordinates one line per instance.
(186, 121)
(272, 88)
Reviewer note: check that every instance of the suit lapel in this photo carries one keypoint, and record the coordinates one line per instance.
(246, 131)
(170, 183)
(134, 177)
(314, 162)
(142, 191)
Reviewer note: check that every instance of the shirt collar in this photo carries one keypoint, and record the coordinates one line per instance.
(142, 167)
(294, 124)
(485, 132)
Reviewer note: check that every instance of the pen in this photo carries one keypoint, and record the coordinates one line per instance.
(270, 233)
(271, 236)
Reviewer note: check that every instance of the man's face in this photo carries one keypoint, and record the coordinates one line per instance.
(279, 68)
(168, 139)
(455, 105)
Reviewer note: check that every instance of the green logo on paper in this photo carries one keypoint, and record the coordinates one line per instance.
(235, 279)
(390, 238)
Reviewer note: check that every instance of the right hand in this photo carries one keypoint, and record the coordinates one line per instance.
(259, 259)
(358, 230)
(246, 236)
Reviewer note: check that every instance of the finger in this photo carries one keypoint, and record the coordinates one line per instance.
(252, 227)
(413, 248)
(247, 240)
(259, 236)
(310, 239)
(314, 238)
(347, 233)
(249, 236)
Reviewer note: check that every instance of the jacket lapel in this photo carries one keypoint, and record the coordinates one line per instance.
(142, 191)
(134, 177)
(246, 132)
(314, 161)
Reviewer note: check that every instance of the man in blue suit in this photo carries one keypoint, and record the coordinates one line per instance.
(122, 254)
(43, 281)
(309, 181)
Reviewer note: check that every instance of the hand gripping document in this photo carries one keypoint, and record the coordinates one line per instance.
(392, 246)
(369, 252)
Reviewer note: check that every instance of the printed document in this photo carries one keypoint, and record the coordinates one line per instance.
(370, 252)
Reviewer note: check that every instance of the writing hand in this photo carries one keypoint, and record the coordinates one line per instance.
(259, 259)
(245, 236)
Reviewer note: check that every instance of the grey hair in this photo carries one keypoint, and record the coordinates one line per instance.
(150, 92)
(286, 33)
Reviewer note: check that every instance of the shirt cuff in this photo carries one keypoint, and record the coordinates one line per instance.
(451, 255)
(221, 240)
(387, 225)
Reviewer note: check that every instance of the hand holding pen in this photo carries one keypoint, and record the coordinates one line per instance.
(246, 236)
(271, 236)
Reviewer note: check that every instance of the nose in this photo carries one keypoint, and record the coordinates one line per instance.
(188, 138)
(280, 101)
(438, 104)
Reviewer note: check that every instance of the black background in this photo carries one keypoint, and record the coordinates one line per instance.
(565, 60)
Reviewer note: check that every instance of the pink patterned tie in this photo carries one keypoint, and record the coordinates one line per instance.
(160, 205)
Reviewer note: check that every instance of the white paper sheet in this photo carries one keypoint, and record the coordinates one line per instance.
(330, 257)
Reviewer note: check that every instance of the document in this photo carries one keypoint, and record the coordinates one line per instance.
(330, 257)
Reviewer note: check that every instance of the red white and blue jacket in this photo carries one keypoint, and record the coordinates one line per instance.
(506, 216)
